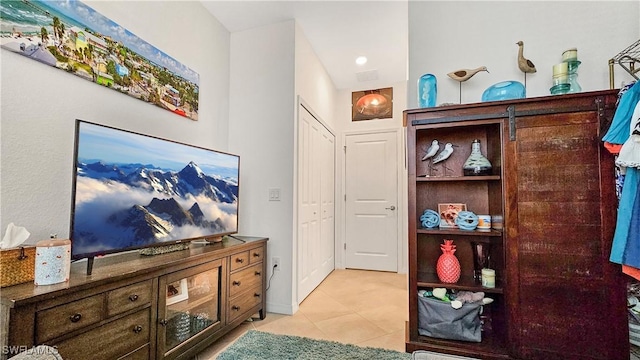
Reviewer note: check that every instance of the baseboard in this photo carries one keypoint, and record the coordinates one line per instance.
(285, 309)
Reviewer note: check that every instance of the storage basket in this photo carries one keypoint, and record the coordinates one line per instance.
(438, 319)
(17, 265)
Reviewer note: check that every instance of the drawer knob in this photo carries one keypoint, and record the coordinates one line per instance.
(137, 329)
(75, 317)
(239, 260)
(257, 273)
(235, 307)
(256, 295)
(133, 297)
(256, 254)
(164, 322)
(236, 283)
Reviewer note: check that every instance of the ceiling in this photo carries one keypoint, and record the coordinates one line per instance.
(339, 32)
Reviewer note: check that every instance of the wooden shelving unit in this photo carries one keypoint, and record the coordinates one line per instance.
(552, 185)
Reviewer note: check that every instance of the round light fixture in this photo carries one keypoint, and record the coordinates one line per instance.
(373, 104)
(361, 60)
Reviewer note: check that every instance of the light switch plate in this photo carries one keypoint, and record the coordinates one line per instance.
(274, 194)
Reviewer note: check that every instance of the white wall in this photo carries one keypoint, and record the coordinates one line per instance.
(312, 82)
(39, 105)
(446, 36)
(271, 67)
(262, 103)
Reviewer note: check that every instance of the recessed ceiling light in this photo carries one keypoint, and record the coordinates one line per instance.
(361, 60)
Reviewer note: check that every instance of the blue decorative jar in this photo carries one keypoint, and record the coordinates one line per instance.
(504, 90)
(427, 90)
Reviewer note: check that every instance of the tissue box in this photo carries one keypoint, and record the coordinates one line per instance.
(17, 265)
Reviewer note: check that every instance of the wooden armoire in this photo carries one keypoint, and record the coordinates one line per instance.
(552, 184)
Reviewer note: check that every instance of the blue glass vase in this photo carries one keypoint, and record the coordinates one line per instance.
(427, 90)
(504, 90)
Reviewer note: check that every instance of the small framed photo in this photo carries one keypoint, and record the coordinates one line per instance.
(177, 291)
(449, 213)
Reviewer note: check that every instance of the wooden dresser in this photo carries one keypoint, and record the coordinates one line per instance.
(168, 306)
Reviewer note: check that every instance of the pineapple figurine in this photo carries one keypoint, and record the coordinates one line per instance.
(448, 266)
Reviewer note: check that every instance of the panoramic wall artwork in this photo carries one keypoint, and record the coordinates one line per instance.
(73, 37)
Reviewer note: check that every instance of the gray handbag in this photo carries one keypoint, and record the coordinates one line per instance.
(438, 319)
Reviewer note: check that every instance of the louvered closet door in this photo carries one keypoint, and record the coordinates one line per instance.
(316, 205)
(567, 299)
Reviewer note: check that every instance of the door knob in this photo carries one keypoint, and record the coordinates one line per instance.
(391, 207)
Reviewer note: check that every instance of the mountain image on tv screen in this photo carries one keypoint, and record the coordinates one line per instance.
(134, 191)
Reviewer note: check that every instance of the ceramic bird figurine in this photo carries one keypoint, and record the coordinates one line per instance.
(432, 150)
(465, 74)
(444, 154)
(525, 65)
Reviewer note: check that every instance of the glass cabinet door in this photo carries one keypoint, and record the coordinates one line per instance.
(192, 304)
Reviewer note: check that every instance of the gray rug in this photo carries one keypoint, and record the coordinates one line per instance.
(256, 345)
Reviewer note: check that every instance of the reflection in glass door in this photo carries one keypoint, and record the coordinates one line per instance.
(191, 304)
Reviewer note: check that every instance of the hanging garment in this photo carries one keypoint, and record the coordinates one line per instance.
(613, 148)
(631, 271)
(623, 223)
(618, 132)
(630, 151)
(631, 255)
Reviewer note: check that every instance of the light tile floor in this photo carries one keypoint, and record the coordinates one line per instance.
(366, 308)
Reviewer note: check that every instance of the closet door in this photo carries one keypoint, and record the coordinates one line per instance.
(567, 300)
(316, 208)
(326, 261)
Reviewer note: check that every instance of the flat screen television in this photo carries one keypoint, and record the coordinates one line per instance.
(132, 191)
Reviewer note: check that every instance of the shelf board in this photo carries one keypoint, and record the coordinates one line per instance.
(425, 178)
(190, 304)
(465, 283)
(439, 231)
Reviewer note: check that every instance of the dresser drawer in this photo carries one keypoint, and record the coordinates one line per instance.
(129, 297)
(245, 279)
(139, 354)
(256, 255)
(241, 304)
(110, 341)
(239, 260)
(62, 319)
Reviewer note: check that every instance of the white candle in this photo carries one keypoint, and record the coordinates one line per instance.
(488, 278)
(560, 72)
(570, 55)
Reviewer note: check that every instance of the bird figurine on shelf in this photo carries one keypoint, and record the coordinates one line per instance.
(444, 155)
(431, 152)
(463, 75)
(525, 65)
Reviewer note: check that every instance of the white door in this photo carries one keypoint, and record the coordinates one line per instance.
(316, 205)
(371, 196)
